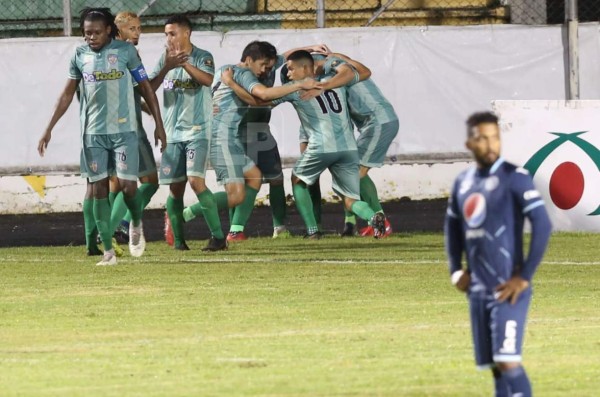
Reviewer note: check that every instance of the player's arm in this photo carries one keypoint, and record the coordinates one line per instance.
(269, 93)
(227, 79)
(345, 74)
(152, 102)
(318, 48)
(203, 73)
(171, 60)
(453, 232)
(363, 71)
(64, 101)
(532, 207)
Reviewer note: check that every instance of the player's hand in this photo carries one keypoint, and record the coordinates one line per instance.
(309, 84)
(175, 58)
(511, 289)
(43, 143)
(160, 135)
(461, 280)
(305, 95)
(227, 76)
(320, 49)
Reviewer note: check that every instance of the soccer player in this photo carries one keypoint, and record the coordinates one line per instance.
(234, 169)
(331, 144)
(186, 73)
(484, 220)
(129, 29)
(102, 68)
(377, 125)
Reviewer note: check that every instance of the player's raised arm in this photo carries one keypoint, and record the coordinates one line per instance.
(204, 74)
(64, 101)
(317, 48)
(169, 60)
(269, 93)
(363, 71)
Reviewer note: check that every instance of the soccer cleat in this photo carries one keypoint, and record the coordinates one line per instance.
(378, 224)
(348, 230)
(281, 232)
(216, 244)
(182, 247)
(94, 251)
(137, 242)
(367, 231)
(236, 236)
(122, 232)
(117, 248)
(109, 258)
(388, 228)
(169, 237)
(313, 236)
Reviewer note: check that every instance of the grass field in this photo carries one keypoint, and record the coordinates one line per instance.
(336, 317)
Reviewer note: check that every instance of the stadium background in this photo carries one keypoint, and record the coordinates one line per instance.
(529, 25)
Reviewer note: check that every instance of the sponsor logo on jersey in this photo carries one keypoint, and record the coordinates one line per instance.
(181, 84)
(97, 76)
(474, 210)
(567, 181)
(112, 58)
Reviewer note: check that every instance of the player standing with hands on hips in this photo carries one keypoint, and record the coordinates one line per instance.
(484, 220)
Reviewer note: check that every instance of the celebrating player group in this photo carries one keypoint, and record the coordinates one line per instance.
(219, 118)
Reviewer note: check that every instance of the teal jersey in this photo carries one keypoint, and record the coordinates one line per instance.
(262, 114)
(106, 88)
(187, 104)
(229, 109)
(325, 119)
(367, 103)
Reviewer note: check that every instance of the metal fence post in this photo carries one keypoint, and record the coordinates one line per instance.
(67, 19)
(320, 13)
(572, 22)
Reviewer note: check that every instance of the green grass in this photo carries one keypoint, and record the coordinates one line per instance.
(336, 317)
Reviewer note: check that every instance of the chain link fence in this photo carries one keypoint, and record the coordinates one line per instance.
(47, 17)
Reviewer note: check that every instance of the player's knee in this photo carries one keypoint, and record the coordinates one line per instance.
(348, 203)
(129, 187)
(198, 184)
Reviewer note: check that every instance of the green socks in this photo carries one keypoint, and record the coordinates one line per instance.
(362, 210)
(89, 223)
(208, 208)
(134, 204)
(147, 191)
(305, 207)
(315, 196)
(221, 200)
(278, 207)
(102, 216)
(118, 209)
(175, 212)
(243, 211)
(368, 193)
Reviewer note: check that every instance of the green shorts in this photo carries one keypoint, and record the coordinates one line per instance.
(342, 165)
(374, 142)
(229, 161)
(108, 154)
(183, 159)
(147, 162)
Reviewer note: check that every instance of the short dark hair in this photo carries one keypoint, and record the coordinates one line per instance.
(259, 50)
(179, 19)
(479, 118)
(98, 14)
(301, 55)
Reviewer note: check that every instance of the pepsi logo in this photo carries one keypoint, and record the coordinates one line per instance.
(474, 210)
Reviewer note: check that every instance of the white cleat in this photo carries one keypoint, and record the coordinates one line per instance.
(137, 242)
(108, 259)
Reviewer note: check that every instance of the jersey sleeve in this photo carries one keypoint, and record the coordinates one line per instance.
(332, 64)
(530, 202)
(294, 96)
(453, 232)
(74, 71)
(206, 63)
(134, 64)
(279, 62)
(246, 79)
